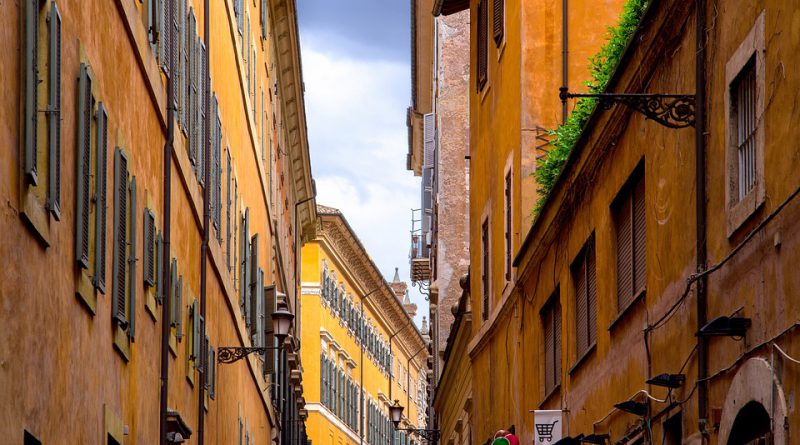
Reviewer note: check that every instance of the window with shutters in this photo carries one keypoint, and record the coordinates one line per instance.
(551, 327)
(151, 263)
(244, 265)
(254, 293)
(498, 20)
(629, 221)
(485, 270)
(482, 44)
(744, 108)
(584, 277)
(40, 152)
(211, 378)
(125, 216)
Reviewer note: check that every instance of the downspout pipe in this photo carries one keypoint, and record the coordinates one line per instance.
(165, 277)
(700, 203)
(201, 393)
(564, 56)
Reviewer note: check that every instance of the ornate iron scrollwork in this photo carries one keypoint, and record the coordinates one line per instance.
(669, 110)
(432, 436)
(230, 355)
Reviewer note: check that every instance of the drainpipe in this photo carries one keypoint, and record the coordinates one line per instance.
(564, 57)
(297, 279)
(201, 412)
(700, 129)
(165, 278)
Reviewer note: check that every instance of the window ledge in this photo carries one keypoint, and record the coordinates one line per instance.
(585, 357)
(639, 297)
(485, 91)
(550, 395)
(740, 212)
(122, 343)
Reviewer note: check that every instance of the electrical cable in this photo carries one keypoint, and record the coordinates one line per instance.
(785, 355)
(696, 276)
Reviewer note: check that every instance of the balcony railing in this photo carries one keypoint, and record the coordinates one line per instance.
(420, 248)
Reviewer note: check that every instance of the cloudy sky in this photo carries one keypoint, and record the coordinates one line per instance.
(357, 78)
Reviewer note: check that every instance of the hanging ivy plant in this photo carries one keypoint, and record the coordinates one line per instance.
(601, 67)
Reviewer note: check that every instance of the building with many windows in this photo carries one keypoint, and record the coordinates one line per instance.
(361, 349)
(157, 190)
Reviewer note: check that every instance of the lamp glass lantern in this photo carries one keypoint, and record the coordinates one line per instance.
(396, 413)
(281, 324)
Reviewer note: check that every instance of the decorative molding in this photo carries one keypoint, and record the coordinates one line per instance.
(314, 407)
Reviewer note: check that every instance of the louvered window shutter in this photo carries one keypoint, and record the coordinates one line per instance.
(482, 44)
(173, 290)
(162, 34)
(83, 192)
(179, 309)
(152, 25)
(160, 269)
(202, 362)
(591, 289)
(270, 305)
(202, 130)
(624, 253)
(132, 259)
(248, 264)
(581, 306)
(254, 276)
(54, 114)
(212, 373)
(258, 330)
(191, 113)
(639, 243)
(120, 258)
(195, 314)
(228, 186)
(149, 249)
(243, 248)
(498, 20)
(264, 19)
(101, 192)
(184, 66)
(557, 341)
(31, 116)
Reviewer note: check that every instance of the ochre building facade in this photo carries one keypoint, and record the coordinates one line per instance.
(94, 274)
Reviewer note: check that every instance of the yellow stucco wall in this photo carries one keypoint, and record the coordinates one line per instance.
(322, 325)
(61, 376)
(759, 282)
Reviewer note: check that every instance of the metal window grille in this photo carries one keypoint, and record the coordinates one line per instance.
(744, 103)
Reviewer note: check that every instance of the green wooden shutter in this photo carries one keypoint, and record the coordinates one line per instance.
(162, 34)
(195, 314)
(254, 293)
(212, 373)
(270, 305)
(228, 185)
(191, 87)
(54, 114)
(173, 290)
(264, 18)
(179, 309)
(31, 89)
(183, 61)
(202, 130)
(257, 328)
(246, 265)
(149, 249)
(83, 192)
(160, 269)
(101, 194)
(132, 260)
(120, 238)
(498, 20)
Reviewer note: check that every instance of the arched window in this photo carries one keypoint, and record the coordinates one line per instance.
(751, 427)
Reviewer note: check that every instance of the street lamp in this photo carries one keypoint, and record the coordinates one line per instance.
(281, 324)
(396, 414)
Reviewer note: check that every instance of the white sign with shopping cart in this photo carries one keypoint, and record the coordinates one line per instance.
(547, 426)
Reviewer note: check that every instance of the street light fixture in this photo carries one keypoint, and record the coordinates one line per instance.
(281, 324)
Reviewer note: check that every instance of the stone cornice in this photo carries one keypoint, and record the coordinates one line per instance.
(291, 96)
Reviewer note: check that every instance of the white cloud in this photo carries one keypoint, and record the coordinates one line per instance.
(358, 139)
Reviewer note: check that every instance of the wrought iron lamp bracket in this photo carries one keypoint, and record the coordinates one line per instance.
(236, 353)
(669, 110)
(429, 435)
